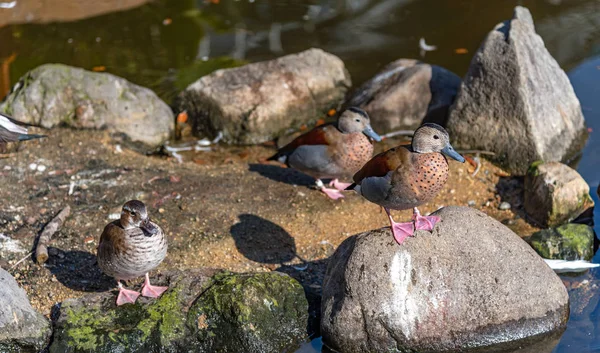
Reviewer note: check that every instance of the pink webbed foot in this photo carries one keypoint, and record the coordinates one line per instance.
(424, 222)
(401, 231)
(331, 193)
(126, 296)
(151, 291)
(339, 185)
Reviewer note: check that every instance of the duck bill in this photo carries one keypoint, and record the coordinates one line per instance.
(371, 133)
(149, 228)
(450, 152)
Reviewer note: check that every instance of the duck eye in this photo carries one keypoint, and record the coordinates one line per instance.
(357, 120)
(436, 137)
(133, 213)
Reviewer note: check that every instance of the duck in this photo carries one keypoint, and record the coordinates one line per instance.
(12, 130)
(131, 247)
(332, 151)
(408, 176)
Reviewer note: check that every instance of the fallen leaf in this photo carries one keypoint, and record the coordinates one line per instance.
(268, 143)
(303, 127)
(461, 51)
(331, 112)
(167, 21)
(182, 117)
(174, 178)
(88, 240)
(199, 161)
(244, 154)
(320, 122)
(99, 68)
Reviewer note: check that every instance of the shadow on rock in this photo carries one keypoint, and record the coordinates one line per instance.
(282, 175)
(511, 190)
(263, 241)
(78, 270)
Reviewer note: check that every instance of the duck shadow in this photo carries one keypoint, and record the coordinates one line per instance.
(78, 270)
(263, 241)
(283, 175)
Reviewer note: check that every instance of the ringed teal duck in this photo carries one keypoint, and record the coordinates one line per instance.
(333, 150)
(131, 247)
(12, 130)
(408, 176)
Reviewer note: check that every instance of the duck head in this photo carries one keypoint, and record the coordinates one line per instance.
(431, 137)
(135, 215)
(357, 120)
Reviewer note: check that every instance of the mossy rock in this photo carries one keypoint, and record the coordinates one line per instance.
(171, 323)
(257, 313)
(567, 242)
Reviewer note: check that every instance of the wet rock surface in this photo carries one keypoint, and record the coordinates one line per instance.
(555, 194)
(55, 94)
(202, 311)
(261, 101)
(404, 93)
(470, 284)
(516, 101)
(567, 242)
(22, 329)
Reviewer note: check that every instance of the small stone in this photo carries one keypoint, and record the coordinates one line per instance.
(471, 203)
(504, 206)
(41, 168)
(568, 242)
(555, 194)
(161, 210)
(32, 166)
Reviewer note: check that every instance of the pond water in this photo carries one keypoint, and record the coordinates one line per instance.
(165, 45)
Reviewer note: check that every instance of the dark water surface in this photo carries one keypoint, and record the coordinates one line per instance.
(166, 45)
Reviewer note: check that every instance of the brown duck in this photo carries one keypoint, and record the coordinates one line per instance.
(131, 247)
(405, 177)
(332, 150)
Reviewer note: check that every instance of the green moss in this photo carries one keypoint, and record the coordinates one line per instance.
(533, 168)
(83, 325)
(264, 312)
(567, 242)
(166, 314)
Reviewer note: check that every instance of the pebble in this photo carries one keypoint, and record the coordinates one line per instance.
(471, 203)
(504, 206)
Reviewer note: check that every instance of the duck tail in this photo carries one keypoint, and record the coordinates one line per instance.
(30, 137)
(279, 157)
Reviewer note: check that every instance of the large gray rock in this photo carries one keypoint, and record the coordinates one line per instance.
(261, 101)
(201, 312)
(22, 329)
(404, 93)
(555, 194)
(470, 284)
(55, 94)
(516, 101)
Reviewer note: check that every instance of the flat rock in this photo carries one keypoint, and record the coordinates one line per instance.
(202, 311)
(470, 284)
(55, 94)
(261, 101)
(555, 194)
(516, 101)
(22, 329)
(404, 93)
(568, 242)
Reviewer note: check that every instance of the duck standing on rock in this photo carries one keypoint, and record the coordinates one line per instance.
(405, 177)
(131, 247)
(332, 150)
(12, 130)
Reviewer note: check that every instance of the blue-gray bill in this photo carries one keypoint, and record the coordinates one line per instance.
(450, 152)
(371, 133)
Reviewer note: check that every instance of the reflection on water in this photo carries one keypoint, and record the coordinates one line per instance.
(165, 45)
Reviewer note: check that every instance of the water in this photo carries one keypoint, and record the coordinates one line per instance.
(166, 45)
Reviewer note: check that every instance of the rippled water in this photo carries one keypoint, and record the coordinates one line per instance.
(167, 44)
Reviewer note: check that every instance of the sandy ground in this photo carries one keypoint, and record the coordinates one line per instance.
(221, 209)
